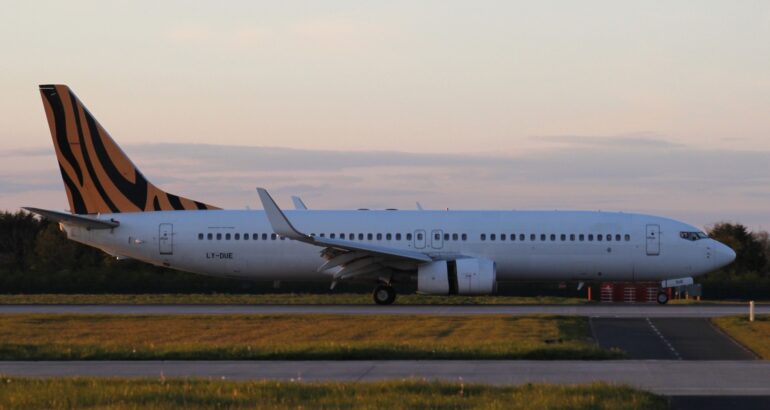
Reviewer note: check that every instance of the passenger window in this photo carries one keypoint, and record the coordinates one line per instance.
(542, 237)
(379, 236)
(237, 237)
(513, 236)
(617, 237)
(245, 237)
(419, 236)
(342, 236)
(483, 237)
(599, 237)
(582, 237)
(590, 237)
(369, 236)
(572, 237)
(398, 236)
(553, 237)
(609, 238)
(388, 236)
(264, 236)
(209, 236)
(273, 236)
(332, 236)
(352, 236)
(322, 235)
(502, 236)
(532, 237)
(200, 236)
(492, 237)
(522, 237)
(563, 237)
(628, 237)
(360, 237)
(454, 236)
(409, 237)
(465, 237)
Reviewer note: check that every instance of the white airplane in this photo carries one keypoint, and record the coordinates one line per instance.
(113, 207)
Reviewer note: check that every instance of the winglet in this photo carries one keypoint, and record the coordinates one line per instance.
(278, 220)
(298, 204)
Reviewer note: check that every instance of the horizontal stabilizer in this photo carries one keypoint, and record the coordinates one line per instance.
(87, 222)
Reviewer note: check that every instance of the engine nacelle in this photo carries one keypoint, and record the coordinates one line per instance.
(471, 276)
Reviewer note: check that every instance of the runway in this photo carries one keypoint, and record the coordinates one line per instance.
(667, 339)
(608, 310)
(669, 377)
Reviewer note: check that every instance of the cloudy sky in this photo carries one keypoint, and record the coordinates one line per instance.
(660, 107)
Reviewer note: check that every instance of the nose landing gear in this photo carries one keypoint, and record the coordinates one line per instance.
(384, 294)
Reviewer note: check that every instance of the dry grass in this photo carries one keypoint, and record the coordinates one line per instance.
(116, 394)
(278, 299)
(37, 336)
(754, 335)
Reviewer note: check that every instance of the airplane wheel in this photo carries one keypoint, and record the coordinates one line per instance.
(662, 298)
(384, 295)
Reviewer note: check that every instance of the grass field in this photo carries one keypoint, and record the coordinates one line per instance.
(277, 299)
(754, 335)
(217, 337)
(116, 394)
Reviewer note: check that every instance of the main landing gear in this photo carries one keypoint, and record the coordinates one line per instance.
(384, 294)
(662, 298)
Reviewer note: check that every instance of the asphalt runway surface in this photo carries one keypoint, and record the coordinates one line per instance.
(667, 339)
(669, 377)
(608, 310)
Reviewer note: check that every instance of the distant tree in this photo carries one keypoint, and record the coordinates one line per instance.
(18, 232)
(750, 251)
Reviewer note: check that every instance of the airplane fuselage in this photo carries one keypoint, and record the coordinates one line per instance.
(525, 245)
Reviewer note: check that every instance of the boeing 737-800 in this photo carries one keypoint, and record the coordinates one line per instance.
(113, 207)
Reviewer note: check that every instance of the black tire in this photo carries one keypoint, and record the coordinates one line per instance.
(384, 295)
(662, 298)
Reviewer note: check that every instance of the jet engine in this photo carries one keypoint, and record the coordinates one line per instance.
(468, 276)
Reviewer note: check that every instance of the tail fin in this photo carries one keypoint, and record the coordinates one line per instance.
(98, 176)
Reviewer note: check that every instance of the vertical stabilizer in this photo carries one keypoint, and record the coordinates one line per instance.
(97, 174)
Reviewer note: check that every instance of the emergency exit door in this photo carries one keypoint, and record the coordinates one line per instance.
(166, 239)
(653, 240)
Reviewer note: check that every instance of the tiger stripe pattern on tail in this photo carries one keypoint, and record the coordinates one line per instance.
(98, 176)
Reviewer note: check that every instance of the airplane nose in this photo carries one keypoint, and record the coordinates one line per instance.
(723, 255)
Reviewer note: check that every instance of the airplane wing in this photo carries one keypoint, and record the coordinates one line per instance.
(354, 258)
(85, 221)
(282, 226)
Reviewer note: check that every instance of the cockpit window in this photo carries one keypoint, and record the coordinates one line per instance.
(693, 236)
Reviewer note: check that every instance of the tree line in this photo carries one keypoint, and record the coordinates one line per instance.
(36, 257)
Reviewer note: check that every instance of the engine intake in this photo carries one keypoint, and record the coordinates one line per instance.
(469, 276)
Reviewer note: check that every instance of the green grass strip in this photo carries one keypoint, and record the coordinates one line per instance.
(91, 393)
(307, 337)
(754, 335)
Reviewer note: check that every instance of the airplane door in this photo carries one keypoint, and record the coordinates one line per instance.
(653, 240)
(166, 239)
(419, 239)
(436, 239)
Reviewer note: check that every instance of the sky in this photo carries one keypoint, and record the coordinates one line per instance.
(652, 106)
